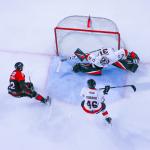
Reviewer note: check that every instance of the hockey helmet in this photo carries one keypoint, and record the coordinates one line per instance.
(91, 83)
(19, 66)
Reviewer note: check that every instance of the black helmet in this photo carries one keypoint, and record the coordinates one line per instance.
(19, 66)
(91, 83)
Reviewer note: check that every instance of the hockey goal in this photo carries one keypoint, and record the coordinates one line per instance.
(87, 33)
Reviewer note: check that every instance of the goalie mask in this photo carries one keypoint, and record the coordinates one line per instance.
(104, 61)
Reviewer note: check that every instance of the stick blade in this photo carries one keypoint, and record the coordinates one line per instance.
(133, 87)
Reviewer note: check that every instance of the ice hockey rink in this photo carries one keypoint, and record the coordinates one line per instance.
(27, 35)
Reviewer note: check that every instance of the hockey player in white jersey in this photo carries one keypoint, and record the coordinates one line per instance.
(99, 59)
(93, 100)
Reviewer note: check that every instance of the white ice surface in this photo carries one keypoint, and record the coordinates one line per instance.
(26, 34)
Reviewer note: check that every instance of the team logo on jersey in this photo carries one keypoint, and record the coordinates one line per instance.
(104, 61)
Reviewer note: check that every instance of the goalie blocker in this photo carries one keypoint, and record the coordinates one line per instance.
(99, 59)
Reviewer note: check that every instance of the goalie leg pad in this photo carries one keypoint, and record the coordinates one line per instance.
(126, 65)
(77, 68)
(87, 68)
(134, 68)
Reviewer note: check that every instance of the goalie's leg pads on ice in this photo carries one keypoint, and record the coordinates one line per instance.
(126, 65)
(87, 68)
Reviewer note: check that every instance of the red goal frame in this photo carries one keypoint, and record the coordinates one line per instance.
(84, 30)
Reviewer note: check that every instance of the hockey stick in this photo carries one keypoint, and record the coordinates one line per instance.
(63, 60)
(30, 79)
(94, 51)
(132, 86)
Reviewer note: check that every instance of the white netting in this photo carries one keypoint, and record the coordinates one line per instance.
(72, 33)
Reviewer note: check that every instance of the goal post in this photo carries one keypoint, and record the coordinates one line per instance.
(87, 33)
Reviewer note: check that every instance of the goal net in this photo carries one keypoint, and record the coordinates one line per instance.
(86, 33)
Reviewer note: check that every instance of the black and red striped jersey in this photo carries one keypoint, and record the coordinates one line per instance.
(15, 78)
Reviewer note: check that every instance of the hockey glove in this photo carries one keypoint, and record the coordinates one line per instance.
(106, 90)
(133, 57)
(108, 120)
(29, 85)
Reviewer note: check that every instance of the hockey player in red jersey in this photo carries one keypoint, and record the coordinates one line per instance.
(19, 88)
(99, 59)
(94, 101)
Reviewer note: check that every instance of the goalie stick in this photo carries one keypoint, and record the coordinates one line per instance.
(30, 79)
(78, 54)
(132, 86)
(62, 60)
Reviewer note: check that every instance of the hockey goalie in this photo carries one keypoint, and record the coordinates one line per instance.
(94, 62)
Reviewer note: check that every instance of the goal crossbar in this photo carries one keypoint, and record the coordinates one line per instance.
(86, 30)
